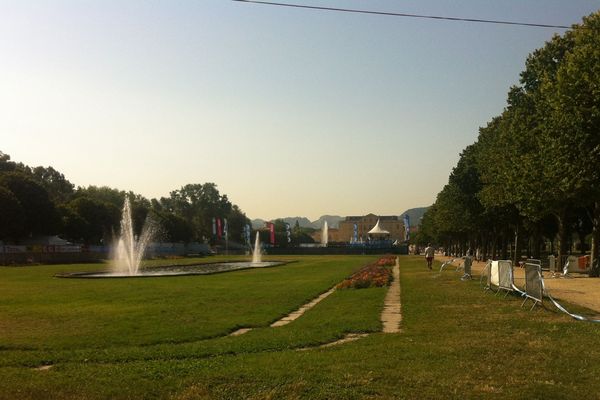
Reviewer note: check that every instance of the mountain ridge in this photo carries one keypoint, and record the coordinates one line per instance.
(414, 214)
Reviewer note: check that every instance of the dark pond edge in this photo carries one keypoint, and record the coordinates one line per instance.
(94, 275)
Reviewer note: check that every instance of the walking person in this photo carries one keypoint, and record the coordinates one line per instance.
(429, 252)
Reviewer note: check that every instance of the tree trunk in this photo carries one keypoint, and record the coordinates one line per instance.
(517, 255)
(582, 245)
(562, 237)
(595, 250)
(504, 246)
(537, 243)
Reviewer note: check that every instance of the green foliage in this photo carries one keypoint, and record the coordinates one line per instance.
(90, 221)
(173, 228)
(92, 214)
(199, 204)
(58, 187)
(539, 159)
(39, 214)
(12, 216)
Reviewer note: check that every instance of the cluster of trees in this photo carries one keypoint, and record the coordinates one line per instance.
(41, 201)
(297, 234)
(533, 175)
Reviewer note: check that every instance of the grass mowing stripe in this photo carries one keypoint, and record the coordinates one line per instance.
(50, 313)
(346, 311)
(457, 342)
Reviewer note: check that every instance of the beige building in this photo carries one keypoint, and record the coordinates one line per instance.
(391, 223)
(345, 232)
(333, 235)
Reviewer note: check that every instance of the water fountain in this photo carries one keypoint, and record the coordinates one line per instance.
(129, 251)
(256, 255)
(129, 248)
(324, 235)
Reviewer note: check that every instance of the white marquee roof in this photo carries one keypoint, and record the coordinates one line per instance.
(377, 230)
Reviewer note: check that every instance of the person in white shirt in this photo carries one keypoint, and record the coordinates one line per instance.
(429, 252)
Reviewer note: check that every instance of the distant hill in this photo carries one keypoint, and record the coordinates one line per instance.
(302, 221)
(332, 222)
(258, 223)
(414, 215)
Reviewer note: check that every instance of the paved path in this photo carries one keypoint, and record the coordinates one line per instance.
(391, 315)
(296, 314)
(292, 316)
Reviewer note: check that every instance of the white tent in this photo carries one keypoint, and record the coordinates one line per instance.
(377, 230)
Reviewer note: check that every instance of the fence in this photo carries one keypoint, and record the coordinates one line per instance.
(574, 264)
(42, 254)
(533, 282)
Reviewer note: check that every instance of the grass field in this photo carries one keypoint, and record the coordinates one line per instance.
(167, 338)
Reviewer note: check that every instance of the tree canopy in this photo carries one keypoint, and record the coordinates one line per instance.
(42, 201)
(534, 170)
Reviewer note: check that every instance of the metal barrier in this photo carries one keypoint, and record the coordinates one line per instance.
(552, 266)
(466, 266)
(533, 283)
(505, 276)
(575, 264)
(499, 274)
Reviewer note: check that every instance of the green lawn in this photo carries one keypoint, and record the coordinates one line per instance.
(166, 338)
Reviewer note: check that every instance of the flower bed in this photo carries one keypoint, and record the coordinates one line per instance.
(377, 274)
(387, 261)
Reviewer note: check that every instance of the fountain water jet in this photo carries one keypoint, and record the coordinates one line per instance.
(324, 235)
(130, 249)
(129, 252)
(256, 256)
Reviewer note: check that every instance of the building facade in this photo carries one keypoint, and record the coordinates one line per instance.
(391, 223)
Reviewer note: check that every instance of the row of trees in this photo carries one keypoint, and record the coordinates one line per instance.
(41, 201)
(534, 172)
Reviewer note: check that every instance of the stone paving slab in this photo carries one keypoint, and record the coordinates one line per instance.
(391, 315)
(296, 314)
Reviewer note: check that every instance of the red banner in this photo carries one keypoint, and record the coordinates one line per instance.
(272, 231)
(219, 231)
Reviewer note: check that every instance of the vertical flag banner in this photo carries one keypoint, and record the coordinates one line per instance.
(225, 228)
(247, 231)
(288, 233)
(406, 227)
(214, 227)
(355, 233)
(272, 231)
(219, 228)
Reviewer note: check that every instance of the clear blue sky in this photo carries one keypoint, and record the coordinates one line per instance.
(290, 112)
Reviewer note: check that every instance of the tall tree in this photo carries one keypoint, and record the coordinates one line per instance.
(575, 118)
(12, 217)
(199, 204)
(40, 215)
(58, 187)
(91, 221)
